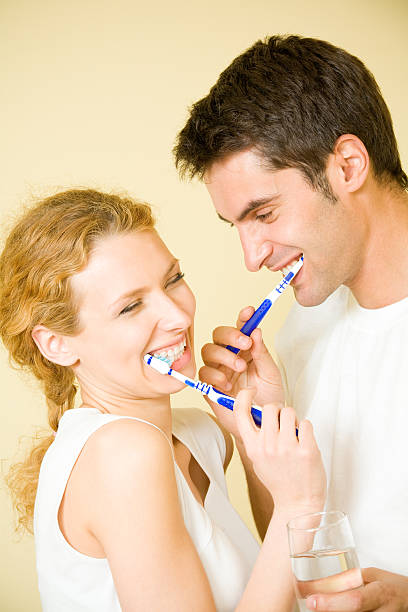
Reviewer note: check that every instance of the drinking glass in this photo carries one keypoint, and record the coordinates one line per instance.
(323, 555)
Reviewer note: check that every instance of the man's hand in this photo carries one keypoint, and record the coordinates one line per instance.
(230, 373)
(382, 591)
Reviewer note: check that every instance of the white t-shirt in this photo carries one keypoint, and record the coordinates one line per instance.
(70, 581)
(346, 369)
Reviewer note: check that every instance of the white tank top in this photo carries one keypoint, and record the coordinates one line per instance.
(70, 581)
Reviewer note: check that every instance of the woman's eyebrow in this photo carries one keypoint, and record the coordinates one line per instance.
(138, 290)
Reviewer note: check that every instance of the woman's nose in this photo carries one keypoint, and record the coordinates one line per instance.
(172, 316)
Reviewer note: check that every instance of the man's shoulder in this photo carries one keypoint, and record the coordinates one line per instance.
(310, 321)
(305, 326)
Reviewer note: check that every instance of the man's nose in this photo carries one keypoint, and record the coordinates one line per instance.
(256, 249)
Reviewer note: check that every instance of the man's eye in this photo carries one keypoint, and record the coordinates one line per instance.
(175, 279)
(131, 307)
(264, 216)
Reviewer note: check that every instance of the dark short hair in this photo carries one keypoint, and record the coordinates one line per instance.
(290, 98)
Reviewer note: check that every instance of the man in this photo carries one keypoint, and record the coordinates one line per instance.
(296, 147)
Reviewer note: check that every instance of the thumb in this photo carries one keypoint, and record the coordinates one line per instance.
(370, 574)
(373, 574)
(265, 365)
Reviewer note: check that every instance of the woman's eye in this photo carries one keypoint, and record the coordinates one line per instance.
(175, 279)
(131, 307)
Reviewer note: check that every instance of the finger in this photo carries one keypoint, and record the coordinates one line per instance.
(347, 601)
(306, 434)
(370, 574)
(245, 314)
(215, 356)
(370, 597)
(263, 360)
(287, 424)
(375, 594)
(215, 377)
(270, 423)
(232, 376)
(225, 336)
(242, 411)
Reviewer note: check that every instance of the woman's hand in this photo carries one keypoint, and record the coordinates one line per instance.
(289, 466)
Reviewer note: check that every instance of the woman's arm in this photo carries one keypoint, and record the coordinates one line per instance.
(136, 516)
(134, 512)
(259, 496)
(291, 469)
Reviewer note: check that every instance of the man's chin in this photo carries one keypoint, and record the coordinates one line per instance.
(307, 298)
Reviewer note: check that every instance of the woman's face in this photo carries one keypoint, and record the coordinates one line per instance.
(132, 300)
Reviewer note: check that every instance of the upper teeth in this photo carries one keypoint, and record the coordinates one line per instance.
(171, 354)
(288, 268)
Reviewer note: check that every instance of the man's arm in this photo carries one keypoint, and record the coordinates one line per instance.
(382, 591)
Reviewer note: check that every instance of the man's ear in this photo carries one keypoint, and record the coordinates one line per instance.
(348, 165)
(53, 346)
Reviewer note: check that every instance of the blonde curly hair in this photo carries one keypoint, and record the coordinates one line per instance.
(49, 243)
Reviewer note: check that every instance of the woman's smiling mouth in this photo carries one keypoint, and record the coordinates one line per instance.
(172, 353)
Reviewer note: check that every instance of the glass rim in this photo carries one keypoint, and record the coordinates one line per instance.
(342, 516)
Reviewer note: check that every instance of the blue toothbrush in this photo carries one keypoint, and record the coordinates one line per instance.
(215, 396)
(270, 299)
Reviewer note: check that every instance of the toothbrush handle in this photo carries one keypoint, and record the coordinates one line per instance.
(253, 322)
(229, 403)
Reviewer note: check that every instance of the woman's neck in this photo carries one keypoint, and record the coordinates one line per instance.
(156, 410)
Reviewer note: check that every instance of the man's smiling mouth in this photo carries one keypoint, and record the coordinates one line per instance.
(287, 266)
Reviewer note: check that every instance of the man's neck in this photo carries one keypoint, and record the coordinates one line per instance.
(383, 276)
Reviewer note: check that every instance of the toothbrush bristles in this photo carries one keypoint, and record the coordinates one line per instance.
(165, 359)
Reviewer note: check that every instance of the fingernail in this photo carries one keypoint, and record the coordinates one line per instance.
(228, 386)
(311, 603)
(244, 342)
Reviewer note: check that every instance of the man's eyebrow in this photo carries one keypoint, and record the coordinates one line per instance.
(252, 205)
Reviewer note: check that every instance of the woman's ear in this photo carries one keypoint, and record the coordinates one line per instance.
(349, 164)
(53, 346)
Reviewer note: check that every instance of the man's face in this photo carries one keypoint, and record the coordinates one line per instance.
(279, 216)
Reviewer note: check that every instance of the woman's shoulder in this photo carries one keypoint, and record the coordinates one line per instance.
(128, 441)
(205, 430)
(125, 465)
(123, 455)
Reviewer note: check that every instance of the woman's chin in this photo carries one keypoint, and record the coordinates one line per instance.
(185, 366)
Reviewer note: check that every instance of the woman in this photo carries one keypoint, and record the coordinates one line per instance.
(131, 510)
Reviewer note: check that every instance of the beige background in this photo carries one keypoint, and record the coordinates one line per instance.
(93, 94)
